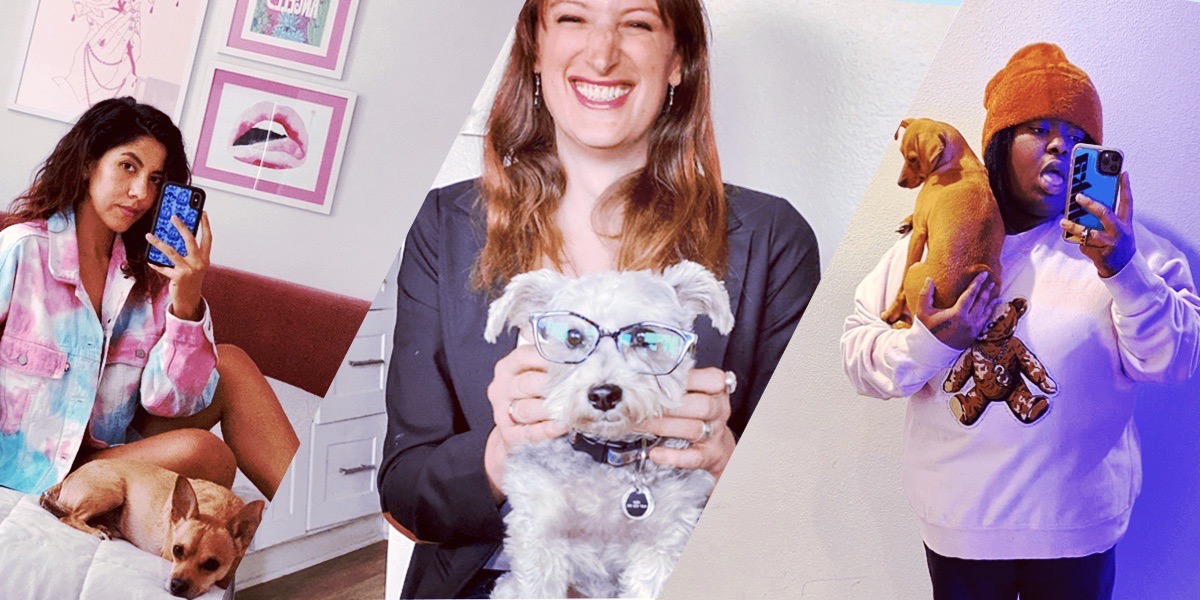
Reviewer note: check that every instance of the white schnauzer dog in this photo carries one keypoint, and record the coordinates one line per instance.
(589, 512)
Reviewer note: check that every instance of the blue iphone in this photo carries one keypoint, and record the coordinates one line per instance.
(175, 199)
(1095, 173)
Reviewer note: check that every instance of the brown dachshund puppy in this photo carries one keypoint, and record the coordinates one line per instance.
(201, 527)
(956, 226)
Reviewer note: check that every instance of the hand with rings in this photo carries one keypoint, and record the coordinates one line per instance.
(1112, 247)
(516, 393)
(701, 418)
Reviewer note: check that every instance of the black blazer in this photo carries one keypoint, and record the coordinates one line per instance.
(432, 479)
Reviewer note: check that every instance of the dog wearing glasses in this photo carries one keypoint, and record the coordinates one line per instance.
(589, 512)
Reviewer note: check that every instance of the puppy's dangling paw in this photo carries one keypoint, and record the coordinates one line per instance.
(107, 534)
(906, 226)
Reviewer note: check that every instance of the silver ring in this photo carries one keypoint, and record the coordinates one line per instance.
(511, 414)
(730, 382)
(705, 432)
(1087, 235)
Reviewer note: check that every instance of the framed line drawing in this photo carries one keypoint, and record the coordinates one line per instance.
(307, 35)
(272, 138)
(80, 52)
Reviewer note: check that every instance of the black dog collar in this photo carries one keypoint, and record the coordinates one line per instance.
(614, 453)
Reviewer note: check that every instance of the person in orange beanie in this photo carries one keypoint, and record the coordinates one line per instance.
(1029, 496)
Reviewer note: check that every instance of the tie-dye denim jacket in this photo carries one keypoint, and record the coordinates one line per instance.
(62, 368)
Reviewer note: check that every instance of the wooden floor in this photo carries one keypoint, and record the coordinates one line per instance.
(354, 576)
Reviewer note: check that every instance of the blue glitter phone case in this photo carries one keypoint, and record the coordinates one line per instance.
(175, 199)
(1095, 173)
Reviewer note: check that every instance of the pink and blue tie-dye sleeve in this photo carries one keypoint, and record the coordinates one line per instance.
(181, 374)
(8, 276)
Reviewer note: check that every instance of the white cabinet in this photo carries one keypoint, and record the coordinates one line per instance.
(345, 462)
(330, 486)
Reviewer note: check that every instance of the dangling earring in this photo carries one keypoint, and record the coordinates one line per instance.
(670, 96)
(537, 89)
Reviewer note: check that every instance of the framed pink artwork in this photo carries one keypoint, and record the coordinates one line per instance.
(272, 138)
(80, 52)
(307, 35)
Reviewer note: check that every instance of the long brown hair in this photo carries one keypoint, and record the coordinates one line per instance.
(673, 209)
(61, 182)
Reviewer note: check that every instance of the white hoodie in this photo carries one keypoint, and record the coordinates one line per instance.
(1064, 485)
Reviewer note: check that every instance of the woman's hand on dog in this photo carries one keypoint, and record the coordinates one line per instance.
(1111, 248)
(959, 325)
(187, 276)
(516, 394)
(706, 401)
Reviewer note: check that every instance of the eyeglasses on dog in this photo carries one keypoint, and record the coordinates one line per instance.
(650, 348)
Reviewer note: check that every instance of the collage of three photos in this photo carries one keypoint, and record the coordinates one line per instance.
(594, 289)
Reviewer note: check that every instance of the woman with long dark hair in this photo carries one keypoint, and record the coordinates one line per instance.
(104, 355)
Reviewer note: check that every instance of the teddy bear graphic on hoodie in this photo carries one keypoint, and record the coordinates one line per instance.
(996, 363)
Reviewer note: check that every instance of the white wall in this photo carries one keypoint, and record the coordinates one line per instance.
(811, 505)
(416, 67)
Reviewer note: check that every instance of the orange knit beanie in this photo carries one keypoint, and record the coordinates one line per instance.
(1040, 83)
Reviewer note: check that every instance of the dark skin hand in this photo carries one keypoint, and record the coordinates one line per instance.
(1111, 248)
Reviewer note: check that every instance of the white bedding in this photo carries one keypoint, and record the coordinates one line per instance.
(43, 558)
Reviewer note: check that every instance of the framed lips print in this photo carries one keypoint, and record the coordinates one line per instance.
(308, 35)
(273, 139)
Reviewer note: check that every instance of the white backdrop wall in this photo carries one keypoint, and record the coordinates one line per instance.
(416, 67)
(811, 505)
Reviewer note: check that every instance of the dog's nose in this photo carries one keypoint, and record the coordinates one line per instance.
(179, 587)
(605, 397)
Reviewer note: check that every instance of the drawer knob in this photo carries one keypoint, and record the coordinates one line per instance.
(366, 363)
(353, 470)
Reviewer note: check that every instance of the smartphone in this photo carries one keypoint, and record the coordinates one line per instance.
(1095, 173)
(175, 199)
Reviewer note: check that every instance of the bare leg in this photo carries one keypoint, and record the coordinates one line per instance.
(252, 421)
(193, 453)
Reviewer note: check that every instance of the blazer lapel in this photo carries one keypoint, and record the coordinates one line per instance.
(474, 360)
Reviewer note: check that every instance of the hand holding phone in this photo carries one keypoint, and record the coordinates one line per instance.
(1095, 173)
(1104, 225)
(183, 201)
(175, 253)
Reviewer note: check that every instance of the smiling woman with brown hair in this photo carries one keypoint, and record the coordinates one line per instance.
(600, 155)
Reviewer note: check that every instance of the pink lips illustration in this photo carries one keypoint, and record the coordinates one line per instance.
(257, 141)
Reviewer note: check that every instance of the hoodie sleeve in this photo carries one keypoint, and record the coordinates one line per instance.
(1156, 312)
(881, 361)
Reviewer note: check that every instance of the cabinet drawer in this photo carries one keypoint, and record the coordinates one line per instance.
(357, 390)
(386, 297)
(345, 463)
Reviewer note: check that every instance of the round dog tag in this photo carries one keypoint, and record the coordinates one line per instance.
(637, 504)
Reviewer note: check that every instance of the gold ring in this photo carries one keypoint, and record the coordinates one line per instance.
(1087, 235)
(511, 412)
(705, 432)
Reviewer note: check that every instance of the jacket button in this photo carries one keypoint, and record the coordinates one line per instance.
(140, 353)
(22, 360)
(66, 367)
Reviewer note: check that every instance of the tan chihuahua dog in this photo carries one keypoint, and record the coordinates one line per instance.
(956, 218)
(201, 527)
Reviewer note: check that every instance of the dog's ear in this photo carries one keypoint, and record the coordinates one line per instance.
(526, 293)
(183, 501)
(931, 152)
(700, 292)
(903, 125)
(245, 523)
